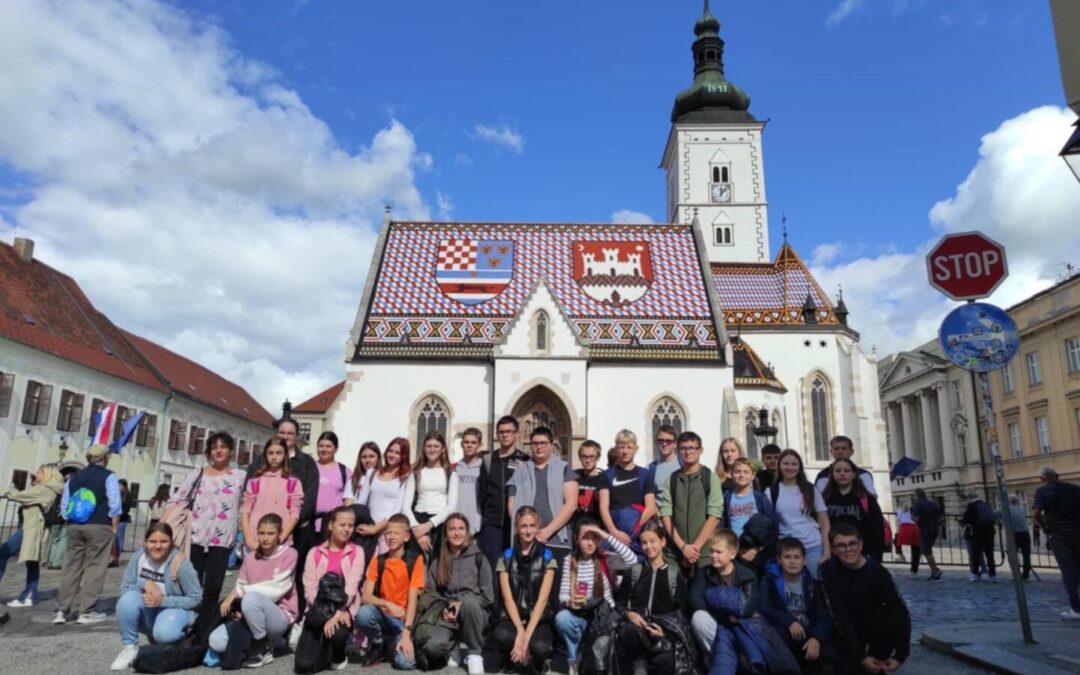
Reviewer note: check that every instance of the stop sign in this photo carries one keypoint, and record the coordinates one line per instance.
(966, 265)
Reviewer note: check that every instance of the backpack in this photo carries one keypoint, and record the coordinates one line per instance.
(703, 476)
(52, 514)
(635, 575)
(82, 503)
(411, 556)
(984, 515)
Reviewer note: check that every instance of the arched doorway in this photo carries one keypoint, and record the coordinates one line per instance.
(541, 407)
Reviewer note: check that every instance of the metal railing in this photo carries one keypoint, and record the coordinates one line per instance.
(133, 532)
(952, 549)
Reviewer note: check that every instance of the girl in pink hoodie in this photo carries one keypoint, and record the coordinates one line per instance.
(271, 490)
(265, 594)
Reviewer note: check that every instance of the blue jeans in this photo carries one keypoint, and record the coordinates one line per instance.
(572, 629)
(164, 625)
(10, 549)
(383, 631)
(813, 557)
(1067, 553)
(121, 531)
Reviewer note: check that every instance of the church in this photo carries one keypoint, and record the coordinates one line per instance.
(592, 328)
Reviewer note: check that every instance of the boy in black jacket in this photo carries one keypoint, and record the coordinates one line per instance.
(871, 621)
(792, 600)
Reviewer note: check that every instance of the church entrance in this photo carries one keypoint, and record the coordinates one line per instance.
(541, 407)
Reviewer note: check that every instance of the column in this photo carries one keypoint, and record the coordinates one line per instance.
(911, 445)
(896, 434)
(931, 445)
(947, 440)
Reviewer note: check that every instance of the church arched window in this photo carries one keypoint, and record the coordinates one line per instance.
(432, 414)
(716, 174)
(724, 175)
(541, 332)
(667, 412)
(819, 417)
(753, 448)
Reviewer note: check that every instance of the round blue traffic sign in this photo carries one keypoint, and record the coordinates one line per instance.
(979, 337)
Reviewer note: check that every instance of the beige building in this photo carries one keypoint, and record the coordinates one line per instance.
(929, 406)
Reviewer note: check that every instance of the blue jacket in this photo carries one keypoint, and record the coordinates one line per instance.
(751, 635)
(773, 604)
(182, 590)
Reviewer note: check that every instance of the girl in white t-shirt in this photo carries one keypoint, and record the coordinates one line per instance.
(430, 492)
(382, 489)
(801, 509)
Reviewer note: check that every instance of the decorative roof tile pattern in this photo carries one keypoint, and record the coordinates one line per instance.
(750, 371)
(763, 294)
(623, 287)
(322, 401)
(47, 311)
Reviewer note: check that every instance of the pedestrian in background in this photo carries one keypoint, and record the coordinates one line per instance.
(158, 503)
(1057, 509)
(980, 517)
(57, 546)
(1021, 536)
(927, 516)
(908, 535)
(28, 541)
(126, 502)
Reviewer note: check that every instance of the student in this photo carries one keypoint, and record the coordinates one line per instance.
(841, 447)
(526, 576)
(394, 582)
(265, 595)
(770, 457)
(457, 601)
(800, 509)
(28, 541)
(384, 492)
(589, 479)
(470, 472)
(335, 480)
(692, 506)
(586, 584)
(431, 493)
(158, 596)
(663, 466)
(628, 497)
(214, 493)
(322, 645)
(271, 490)
(547, 484)
(158, 502)
(871, 622)
(730, 450)
(793, 602)
(651, 597)
(848, 502)
(499, 468)
(741, 504)
(369, 458)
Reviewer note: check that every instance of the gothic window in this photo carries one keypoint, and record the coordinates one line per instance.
(431, 415)
(819, 417)
(753, 449)
(541, 331)
(666, 411)
(716, 174)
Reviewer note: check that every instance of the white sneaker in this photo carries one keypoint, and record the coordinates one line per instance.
(340, 666)
(125, 658)
(452, 660)
(973, 577)
(294, 635)
(21, 603)
(572, 670)
(1070, 614)
(59, 618)
(91, 617)
(475, 664)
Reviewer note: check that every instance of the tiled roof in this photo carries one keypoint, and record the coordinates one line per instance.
(47, 311)
(762, 294)
(628, 290)
(189, 379)
(749, 370)
(322, 401)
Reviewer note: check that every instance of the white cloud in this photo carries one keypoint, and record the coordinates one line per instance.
(193, 195)
(444, 205)
(842, 11)
(823, 254)
(501, 136)
(1019, 192)
(626, 216)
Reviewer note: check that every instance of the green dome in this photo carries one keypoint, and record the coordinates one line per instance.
(711, 97)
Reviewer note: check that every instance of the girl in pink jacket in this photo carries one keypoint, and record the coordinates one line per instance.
(271, 490)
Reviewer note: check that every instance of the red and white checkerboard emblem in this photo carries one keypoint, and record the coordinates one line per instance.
(473, 271)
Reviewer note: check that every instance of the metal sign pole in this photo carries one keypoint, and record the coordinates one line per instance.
(1003, 502)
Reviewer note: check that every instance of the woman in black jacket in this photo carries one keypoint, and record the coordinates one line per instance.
(849, 502)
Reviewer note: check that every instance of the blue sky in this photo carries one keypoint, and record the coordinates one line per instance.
(213, 173)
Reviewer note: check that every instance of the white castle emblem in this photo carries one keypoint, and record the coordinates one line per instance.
(616, 275)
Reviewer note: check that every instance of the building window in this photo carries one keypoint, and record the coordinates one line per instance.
(957, 394)
(431, 416)
(1034, 369)
(20, 479)
(71, 410)
(819, 417)
(752, 449)
(305, 431)
(1042, 431)
(133, 490)
(716, 174)
(725, 175)
(1007, 379)
(196, 440)
(146, 434)
(176, 434)
(123, 414)
(243, 454)
(666, 412)
(1072, 348)
(7, 386)
(1014, 440)
(37, 403)
(95, 407)
(541, 331)
(723, 235)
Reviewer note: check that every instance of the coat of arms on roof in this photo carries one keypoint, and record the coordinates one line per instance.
(616, 273)
(473, 271)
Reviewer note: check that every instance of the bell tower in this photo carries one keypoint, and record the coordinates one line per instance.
(713, 159)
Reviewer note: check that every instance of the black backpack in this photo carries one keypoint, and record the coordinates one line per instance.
(704, 475)
(52, 514)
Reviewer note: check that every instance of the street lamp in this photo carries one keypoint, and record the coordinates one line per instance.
(764, 430)
(1071, 152)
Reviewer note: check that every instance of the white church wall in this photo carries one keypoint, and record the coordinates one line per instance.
(567, 378)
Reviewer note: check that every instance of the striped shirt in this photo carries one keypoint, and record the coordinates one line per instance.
(586, 572)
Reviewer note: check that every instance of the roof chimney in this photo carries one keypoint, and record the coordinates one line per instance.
(25, 248)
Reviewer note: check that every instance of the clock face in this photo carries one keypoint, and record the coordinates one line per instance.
(721, 193)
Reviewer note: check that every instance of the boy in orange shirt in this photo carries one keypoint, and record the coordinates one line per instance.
(393, 585)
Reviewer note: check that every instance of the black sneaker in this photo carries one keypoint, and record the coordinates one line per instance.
(260, 654)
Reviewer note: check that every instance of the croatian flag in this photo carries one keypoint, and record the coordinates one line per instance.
(473, 271)
(103, 425)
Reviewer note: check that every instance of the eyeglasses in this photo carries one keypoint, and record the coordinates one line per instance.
(665, 441)
(846, 546)
(687, 449)
(541, 444)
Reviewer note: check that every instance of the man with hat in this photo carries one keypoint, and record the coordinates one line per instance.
(91, 505)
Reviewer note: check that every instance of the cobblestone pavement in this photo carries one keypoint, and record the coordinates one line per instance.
(32, 645)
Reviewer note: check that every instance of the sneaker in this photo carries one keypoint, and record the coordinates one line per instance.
(262, 653)
(572, 670)
(294, 635)
(973, 577)
(452, 659)
(343, 665)
(59, 618)
(21, 603)
(125, 658)
(475, 664)
(1070, 614)
(90, 617)
(992, 580)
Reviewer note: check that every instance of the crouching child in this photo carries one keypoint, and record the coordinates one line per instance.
(391, 591)
(792, 601)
